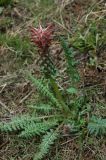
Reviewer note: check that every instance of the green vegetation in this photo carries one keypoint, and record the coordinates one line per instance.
(73, 114)
(5, 2)
(97, 126)
(90, 39)
(52, 105)
(21, 47)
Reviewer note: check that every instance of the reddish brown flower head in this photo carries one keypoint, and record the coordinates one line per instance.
(42, 37)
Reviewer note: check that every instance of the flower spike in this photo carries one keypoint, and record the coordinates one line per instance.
(42, 37)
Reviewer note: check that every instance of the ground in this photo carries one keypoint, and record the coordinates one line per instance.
(18, 55)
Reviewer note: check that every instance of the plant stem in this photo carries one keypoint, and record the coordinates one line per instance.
(65, 108)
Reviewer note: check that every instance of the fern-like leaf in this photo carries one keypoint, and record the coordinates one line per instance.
(69, 54)
(17, 123)
(45, 145)
(97, 126)
(44, 90)
(45, 108)
(37, 128)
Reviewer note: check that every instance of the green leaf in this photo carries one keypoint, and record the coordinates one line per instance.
(44, 90)
(1, 10)
(97, 126)
(45, 108)
(71, 63)
(72, 90)
(37, 128)
(17, 123)
(45, 145)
